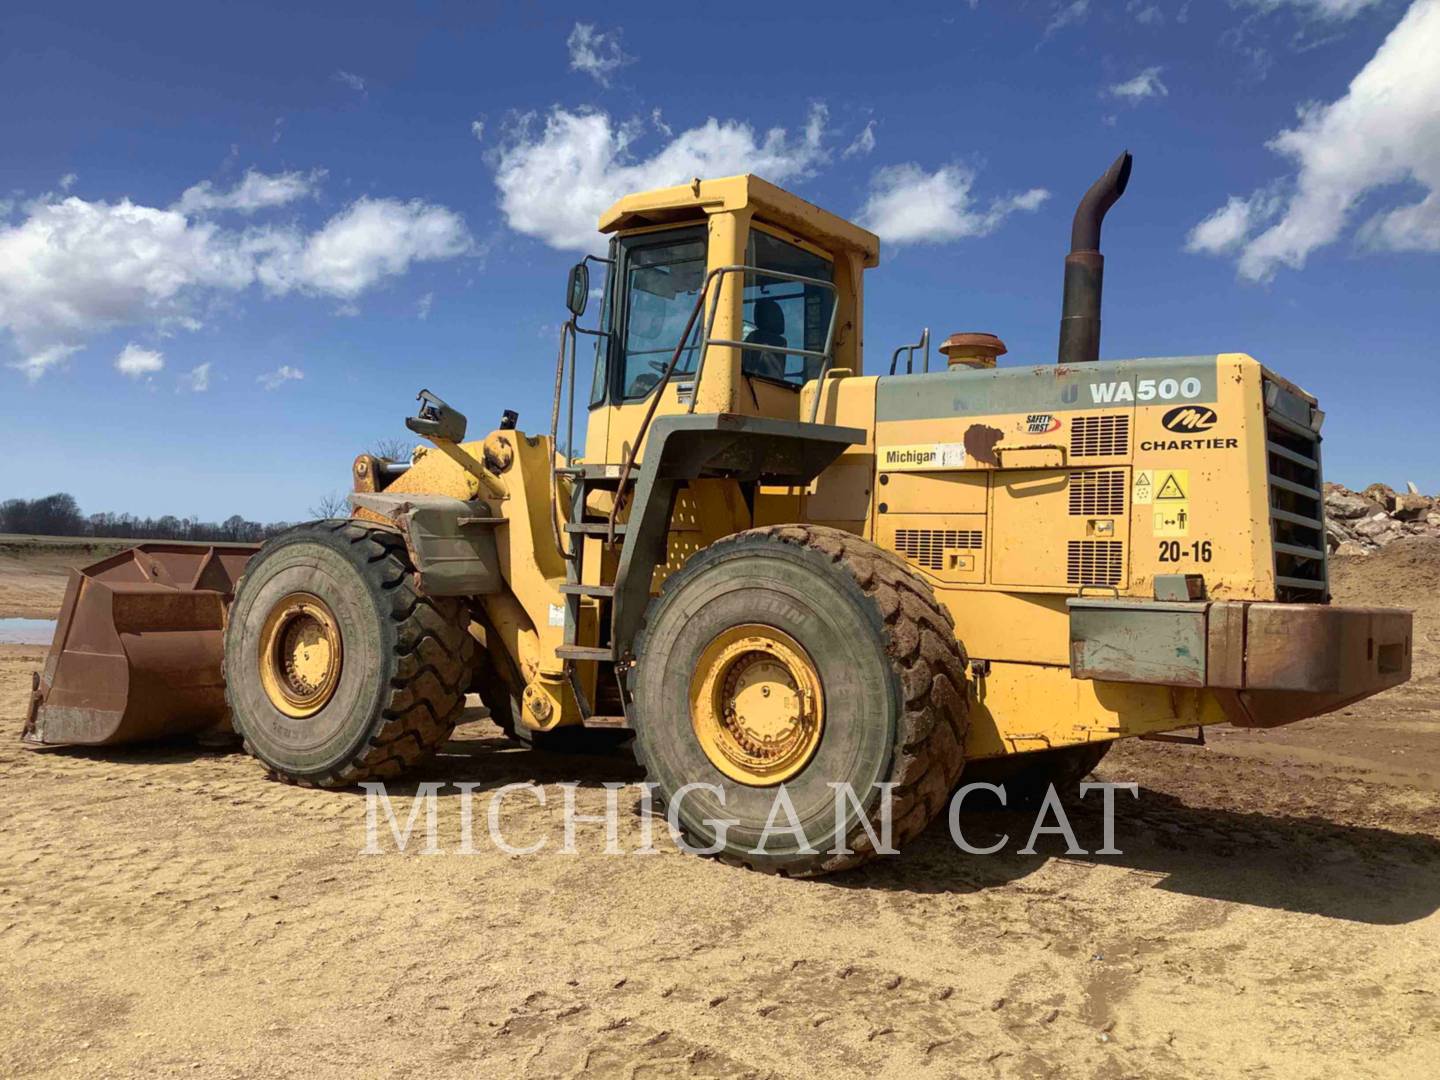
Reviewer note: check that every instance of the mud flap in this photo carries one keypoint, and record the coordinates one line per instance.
(451, 543)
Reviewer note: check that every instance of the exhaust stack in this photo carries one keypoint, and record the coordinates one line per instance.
(1085, 267)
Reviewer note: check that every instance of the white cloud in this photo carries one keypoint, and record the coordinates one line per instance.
(661, 126)
(1384, 131)
(1328, 10)
(197, 379)
(71, 268)
(353, 81)
(907, 205)
(1145, 14)
(137, 362)
(554, 185)
(42, 360)
(423, 306)
(1067, 15)
(477, 128)
(1147, 84)
(68, 181)
(369, 240)
(863, 143)
(1227, 228)
(255, 191)
(597, 54)
(272, 380)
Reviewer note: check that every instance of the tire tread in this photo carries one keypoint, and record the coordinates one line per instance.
(434, 656)
(929, 664)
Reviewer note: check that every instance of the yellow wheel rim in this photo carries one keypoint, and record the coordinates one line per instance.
(300, 655)
(756, 705)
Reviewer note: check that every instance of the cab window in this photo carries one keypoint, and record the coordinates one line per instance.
(601, 379)
(662, 281)
(784, 314)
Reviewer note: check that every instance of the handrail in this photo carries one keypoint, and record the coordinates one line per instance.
(780, 275)
(567, 335)
(923, 343)
(568, 331)
(657, 390)
(704, 346)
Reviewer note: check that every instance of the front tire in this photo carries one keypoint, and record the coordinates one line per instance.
(800, 656)
(336, 669)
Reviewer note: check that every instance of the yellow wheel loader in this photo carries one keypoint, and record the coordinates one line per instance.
(774, 570)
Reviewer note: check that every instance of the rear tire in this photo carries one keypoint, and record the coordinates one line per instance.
(875, 644)
(402, 660)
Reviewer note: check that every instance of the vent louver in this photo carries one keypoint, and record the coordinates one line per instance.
(1094, 562)
(1100, 436)
(1097, 493)
(927, 547)
(1297, 501)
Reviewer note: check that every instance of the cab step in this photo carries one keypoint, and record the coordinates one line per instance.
(604, 592)
(584, 652)
(594, 528)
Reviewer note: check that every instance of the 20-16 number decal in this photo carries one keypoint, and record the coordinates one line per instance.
(1172, 551)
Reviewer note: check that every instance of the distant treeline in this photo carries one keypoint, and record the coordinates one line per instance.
(60, 515)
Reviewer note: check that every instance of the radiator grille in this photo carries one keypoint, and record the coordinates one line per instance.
(927, 547)
(1100, 436)
(1097, 493)
(1095, 562)
(1297, 502)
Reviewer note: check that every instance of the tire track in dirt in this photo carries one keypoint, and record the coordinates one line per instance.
(169, 911)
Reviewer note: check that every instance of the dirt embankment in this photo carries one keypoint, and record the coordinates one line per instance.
(1274, 912)
(34, 569)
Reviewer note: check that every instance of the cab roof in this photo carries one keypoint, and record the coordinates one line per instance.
(772, 205)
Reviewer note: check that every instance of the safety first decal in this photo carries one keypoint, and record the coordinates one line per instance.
(922, 456)
(1167, 493)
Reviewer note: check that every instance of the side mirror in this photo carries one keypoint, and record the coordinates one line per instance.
(577, 291)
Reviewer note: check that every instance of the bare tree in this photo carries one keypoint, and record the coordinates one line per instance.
(392, 449)
(331, 505)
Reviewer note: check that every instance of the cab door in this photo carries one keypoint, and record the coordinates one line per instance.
(658, 279)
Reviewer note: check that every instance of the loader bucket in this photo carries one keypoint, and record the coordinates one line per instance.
(138, 648)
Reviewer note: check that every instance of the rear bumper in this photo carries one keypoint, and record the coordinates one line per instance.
(1269, 664)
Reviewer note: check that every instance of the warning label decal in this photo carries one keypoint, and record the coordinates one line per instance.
(1144, 493)
(1172, 518)
(1173, 485)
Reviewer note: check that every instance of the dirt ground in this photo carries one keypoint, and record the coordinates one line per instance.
(168, 910)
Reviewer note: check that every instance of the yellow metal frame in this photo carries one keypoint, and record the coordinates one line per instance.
(1009, 609)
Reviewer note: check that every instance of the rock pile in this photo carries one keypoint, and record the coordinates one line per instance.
(1357, 523)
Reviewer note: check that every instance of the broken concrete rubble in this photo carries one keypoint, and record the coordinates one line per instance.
(1358, 523)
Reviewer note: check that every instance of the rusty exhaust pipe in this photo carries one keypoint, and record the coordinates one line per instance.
(1085, 267)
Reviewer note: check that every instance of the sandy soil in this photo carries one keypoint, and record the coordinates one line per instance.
(167, 910)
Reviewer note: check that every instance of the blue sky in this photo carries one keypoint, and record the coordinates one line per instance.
(237, 239)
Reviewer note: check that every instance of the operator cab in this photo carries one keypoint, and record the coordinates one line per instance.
(742, 292)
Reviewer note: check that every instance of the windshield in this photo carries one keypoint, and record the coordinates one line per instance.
(662, 281)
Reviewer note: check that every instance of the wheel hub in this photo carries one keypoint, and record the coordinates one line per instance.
(756, 705)
(300, 655)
